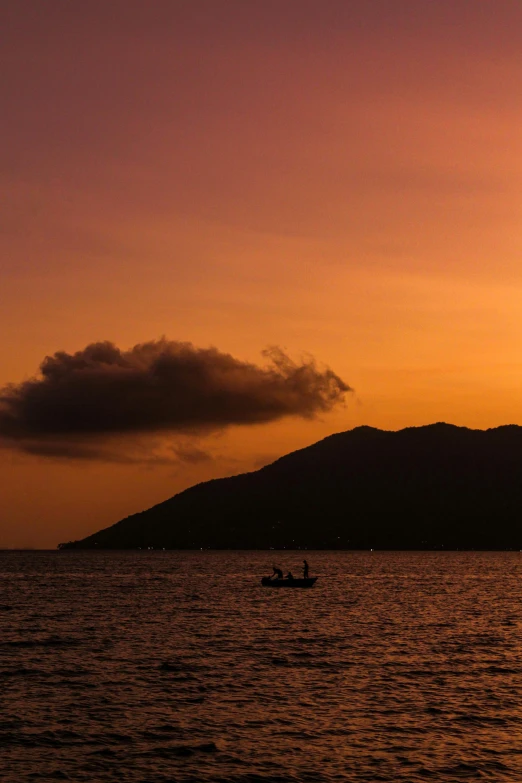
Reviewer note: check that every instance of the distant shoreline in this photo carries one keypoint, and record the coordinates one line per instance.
(249, 549)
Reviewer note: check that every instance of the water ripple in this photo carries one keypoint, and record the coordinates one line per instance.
(179, 667)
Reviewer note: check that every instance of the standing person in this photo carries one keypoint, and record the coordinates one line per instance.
(277, 573)
(305, 569)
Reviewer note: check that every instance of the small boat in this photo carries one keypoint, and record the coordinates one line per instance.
(267, 581)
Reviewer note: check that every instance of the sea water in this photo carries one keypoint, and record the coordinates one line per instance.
(178, 666)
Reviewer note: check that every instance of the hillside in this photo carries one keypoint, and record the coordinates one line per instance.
(431, 487)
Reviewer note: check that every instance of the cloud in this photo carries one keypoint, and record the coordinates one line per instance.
(191, 454)
(101, 394)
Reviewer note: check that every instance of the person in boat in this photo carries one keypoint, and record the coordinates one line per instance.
(289, 575)
(305, 569)
(277, 573)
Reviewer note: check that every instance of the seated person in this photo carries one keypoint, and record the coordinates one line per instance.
(289, 575)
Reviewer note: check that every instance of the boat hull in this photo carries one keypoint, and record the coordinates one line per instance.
(266, 581)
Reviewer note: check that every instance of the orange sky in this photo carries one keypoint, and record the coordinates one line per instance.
(339, 178)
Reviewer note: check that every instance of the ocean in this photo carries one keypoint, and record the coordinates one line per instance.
(157, 667)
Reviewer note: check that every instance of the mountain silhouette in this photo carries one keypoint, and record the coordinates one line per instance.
(432, 487)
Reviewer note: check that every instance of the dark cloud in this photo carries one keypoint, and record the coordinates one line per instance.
(118, 451)
(82, 401)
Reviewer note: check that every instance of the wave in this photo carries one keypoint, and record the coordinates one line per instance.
(169, 751)
(50, 641)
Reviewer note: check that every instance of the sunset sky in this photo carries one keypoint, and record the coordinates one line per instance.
(338, 178)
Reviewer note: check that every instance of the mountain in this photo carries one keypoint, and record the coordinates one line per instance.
(432, 487)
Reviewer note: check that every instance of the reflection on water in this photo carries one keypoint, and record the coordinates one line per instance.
(167, 666)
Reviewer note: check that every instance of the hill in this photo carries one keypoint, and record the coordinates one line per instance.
(431, 487)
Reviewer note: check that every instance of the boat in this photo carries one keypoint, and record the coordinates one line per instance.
(267, 581)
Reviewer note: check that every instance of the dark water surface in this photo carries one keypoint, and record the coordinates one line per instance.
(168, 666)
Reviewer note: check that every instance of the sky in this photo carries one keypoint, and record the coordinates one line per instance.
(228, 230)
